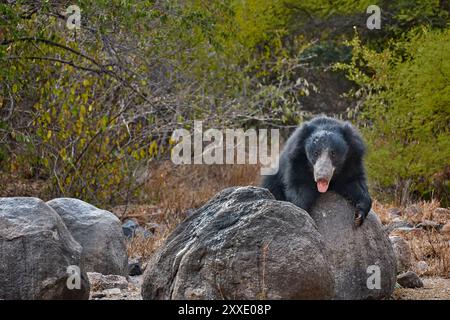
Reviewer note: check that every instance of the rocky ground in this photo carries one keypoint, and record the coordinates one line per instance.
(411, 240)
(420, 233)
(434, 289)
(115, 287)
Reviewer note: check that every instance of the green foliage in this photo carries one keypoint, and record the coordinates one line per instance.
(419, 12)
(406, 92)
(326, 53)
(90, 108)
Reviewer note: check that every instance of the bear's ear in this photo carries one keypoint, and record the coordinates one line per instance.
(304, 132)
(353, 138)
(299, 139)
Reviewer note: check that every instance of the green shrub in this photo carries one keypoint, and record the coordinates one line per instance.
(406, 113)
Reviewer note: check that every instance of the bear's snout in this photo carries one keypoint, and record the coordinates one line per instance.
(323, 171)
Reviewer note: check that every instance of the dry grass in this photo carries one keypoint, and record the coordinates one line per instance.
(431, 246)
(144, 248)
(175, 191)
(13, 185)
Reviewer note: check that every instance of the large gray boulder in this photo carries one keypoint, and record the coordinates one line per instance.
(356, 254)
(242, 244)
(36, 250)
(98, 231)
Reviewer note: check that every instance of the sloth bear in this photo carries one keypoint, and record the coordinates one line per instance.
(322, 154)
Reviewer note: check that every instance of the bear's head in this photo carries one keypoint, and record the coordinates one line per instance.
(326, 152)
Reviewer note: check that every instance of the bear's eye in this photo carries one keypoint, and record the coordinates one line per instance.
(333, 154)
(316, 153)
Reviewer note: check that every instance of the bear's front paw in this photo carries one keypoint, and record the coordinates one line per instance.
(361, 213)
(360, 216)
(358, 219)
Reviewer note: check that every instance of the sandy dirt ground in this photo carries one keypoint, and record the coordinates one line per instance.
(434, 289)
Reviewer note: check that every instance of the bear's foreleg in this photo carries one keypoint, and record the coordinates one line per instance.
(357, 193)
(302, 196)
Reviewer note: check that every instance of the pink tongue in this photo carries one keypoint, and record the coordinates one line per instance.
(322, 186)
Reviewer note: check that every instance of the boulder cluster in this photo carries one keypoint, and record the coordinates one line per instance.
(47, 249)
(244, 244)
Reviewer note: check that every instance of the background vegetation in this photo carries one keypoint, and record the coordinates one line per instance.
(89, 110)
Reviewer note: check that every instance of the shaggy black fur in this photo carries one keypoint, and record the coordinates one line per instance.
(294, 181)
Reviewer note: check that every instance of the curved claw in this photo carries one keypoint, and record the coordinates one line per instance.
(358, 219)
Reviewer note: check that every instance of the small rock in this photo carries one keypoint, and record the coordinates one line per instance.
(98, 295)
(429, 225)
(132, 229)
(422, 266)
(398, 225)
(112, 291)
(129, 227)
(134, 267)
(394, 213)
(406, 229)
(409, 280)
(136, 281)
(101, 282)
(402, 253)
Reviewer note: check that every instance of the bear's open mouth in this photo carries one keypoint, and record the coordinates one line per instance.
(322, 185)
